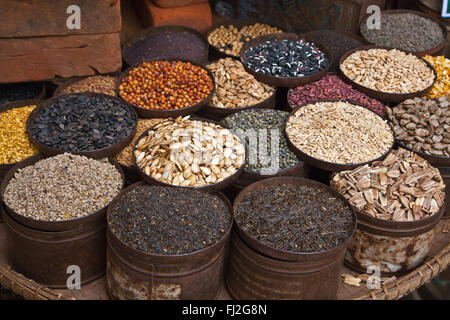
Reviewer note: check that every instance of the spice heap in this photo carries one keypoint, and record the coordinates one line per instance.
(402, 187)
(99, 84)
(269, 144)
(236, 88)
(442, 86)
(295, 218)
(63, 187)
(423, 125)
(339, 132)
(405, 31)
(337, 43)
(390, 71)
(77, 123)
(169, 221)
(14, 143)
(331, 87)
(177, 45)
(189, 153)
(166, 85)
(19, 91)
(125, 157)
(230, 39)
(286, 58)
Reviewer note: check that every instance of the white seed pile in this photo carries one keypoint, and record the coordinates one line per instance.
(63, 187)
(339, 132)
(390, 71)
(189, 153)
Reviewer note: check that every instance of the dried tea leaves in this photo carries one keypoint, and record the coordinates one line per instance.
(295, 218)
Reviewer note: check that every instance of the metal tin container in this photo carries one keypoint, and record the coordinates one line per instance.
(394, 247)
(46, 256)
(251, 275)
(133, 274)
(256, 271)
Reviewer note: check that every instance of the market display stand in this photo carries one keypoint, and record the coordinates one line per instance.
(438, 261)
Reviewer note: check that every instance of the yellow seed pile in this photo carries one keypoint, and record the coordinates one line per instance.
(125, 157)
(14, 143)
(442, 85)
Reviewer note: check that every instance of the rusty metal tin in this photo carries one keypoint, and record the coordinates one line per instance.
(133, 274)
(45, 256)
(284, 255)
(251, 275)
(395, 247)
(284, 81)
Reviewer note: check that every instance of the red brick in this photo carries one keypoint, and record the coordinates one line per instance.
(196, 16)
(45, 58)
(48, 18)
(176, 3)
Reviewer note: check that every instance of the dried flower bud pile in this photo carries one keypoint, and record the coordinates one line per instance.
(189, 153)
(125, 157)
(339, 132)
(230, 39)
(99, 84)
(331, 87)
(236, 88)
(166, 85)
(423, 124)
(63, 187)
(14, 143)
(442, 86)
(390, 71)
(286, 58)
(402, 187)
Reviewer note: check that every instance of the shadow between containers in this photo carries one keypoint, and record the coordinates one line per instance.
(154, 113)
(101, 153)
(385, 96)
(210, 187)
(43, 225)
(431, 51)
(284, 255)
(332, 166)
(284, 81)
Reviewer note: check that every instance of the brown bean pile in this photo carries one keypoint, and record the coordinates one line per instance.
(166, 85)
(99, 84)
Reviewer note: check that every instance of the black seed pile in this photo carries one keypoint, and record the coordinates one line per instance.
(337, 43)
(178, 45)
(169, 221)
(295, 218)
(19, 91)
(405, 31)
(286, 58)
(78, 123)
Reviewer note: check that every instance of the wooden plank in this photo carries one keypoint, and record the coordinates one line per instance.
(29, 18)
(44, 58)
